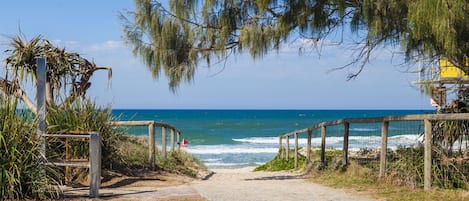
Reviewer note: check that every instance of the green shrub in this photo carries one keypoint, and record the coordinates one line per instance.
(86, 116)
(23, 174)
(181, 162)
(132, 152)
(279, 163)
(408, 165)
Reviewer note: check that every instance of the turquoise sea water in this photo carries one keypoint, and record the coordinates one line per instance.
(238, 138)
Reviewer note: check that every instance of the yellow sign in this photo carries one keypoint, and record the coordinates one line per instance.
(449, 70)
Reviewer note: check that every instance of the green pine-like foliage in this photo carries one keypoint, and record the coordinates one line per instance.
(178, 37)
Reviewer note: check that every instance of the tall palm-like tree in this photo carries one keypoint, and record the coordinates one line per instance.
(68, 74)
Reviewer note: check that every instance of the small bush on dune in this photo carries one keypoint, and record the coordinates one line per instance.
(133, 154)
(181, 162)
(279, 163)
(86, 116)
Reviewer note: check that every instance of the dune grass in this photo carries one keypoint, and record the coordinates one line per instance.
(181, 162)
(363, 179)
(22, 173)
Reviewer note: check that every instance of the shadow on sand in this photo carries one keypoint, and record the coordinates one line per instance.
(288, 177)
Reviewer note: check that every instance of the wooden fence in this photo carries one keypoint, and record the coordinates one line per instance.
(94, 159)
(174, 132)
(93, 162)
(426, 118)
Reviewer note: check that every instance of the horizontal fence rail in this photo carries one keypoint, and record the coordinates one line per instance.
(425, 119)
(174, 132)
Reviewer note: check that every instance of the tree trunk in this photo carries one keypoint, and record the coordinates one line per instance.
(49, 94)
(12, 89)
(27, 101)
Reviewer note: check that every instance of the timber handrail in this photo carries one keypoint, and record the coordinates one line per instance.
(426, 118)
(144, 123)
(151, 135)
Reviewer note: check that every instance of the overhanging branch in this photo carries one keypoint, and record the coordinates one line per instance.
(12, 89)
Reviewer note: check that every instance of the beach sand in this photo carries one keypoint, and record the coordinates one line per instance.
(246, 185)
(222, 185)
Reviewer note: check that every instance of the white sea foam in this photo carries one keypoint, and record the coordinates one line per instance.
(258, 140)
(407, 137)
(221, 164)
(364, 129)
(230, 150)
(337, 142)
(212, 159)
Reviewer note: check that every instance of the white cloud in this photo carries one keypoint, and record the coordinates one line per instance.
(66, 44)
(106, 46)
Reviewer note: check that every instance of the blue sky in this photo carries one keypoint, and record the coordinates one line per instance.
(284, 80)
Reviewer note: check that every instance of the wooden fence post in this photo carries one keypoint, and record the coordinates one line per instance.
(280, 145)
(427, 182)
(41, 105)
(95, 164)
(163, 141)
(178, 139)
(308, 146)
(323, 145)
(296, 150)
(151, 139)
(41, 112)
(384, 148)
(345, 145)
(172, 139)
(287, 148)
(68, 171)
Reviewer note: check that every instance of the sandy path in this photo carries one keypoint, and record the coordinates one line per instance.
(245, 185)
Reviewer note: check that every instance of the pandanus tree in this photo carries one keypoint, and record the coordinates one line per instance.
(67, 78)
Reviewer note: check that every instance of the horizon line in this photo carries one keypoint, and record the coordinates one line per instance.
(273, 109)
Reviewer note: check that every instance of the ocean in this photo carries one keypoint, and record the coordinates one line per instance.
(240, 138)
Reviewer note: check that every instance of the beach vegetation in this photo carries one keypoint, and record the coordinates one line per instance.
(364, 181)
(130, 150)
(23, 175)
(450, 140)
(279, 162)
(404, 173)
(181, 162)
(406, 168)
(175, 39)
